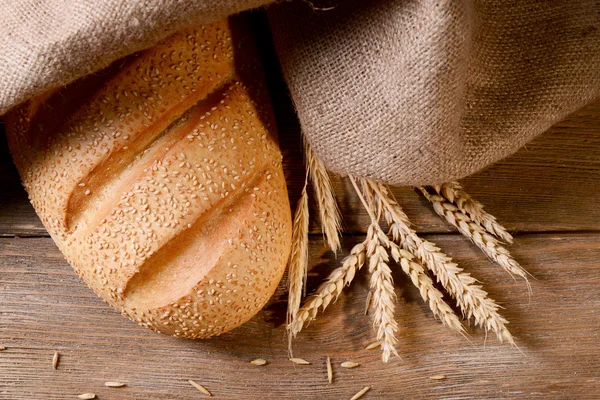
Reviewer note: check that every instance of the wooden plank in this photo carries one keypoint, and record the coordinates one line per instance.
(46, 308)
(551, 185)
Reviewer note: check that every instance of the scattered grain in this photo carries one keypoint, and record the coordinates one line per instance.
(299, 361)
(372, 346)
(200, 388)
(329, 371)
(437, 377)
(258, 361)
(55, 360)
(114, 384)
(361, 393)
(350, 364)
(86, 396)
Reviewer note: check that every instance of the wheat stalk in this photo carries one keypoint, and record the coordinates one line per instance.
(382, 289)
(428, 291)
(470, 297)
(419, 278)
(381, 283)
(486, 242)
(328, 209)
(298, 261)
(331, 288)
(454, 193)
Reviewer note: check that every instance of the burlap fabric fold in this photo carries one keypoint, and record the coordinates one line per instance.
(401, 91)
(46, 43)
(413, 92)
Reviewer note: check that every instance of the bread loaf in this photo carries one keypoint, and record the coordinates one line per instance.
(160, 180)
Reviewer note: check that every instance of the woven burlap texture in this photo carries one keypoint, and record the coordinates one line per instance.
(413, 92)
(406, 92)
(46, 43)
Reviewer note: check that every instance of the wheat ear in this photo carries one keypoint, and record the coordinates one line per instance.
(486, 242)
(331, 288)
(325, 196)
(470, 297)
(454, 193)
(298, 261)
(381, 282)
(428, 291)
(382, 289)
(416, 273)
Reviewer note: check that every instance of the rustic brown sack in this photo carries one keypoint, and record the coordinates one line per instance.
(413, 92)
(47, 43)
(402, 91)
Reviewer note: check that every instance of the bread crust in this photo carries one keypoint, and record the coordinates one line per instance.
(160, 180)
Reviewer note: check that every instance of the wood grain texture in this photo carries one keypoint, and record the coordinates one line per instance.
(46, 308)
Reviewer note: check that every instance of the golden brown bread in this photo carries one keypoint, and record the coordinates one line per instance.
(161, 181)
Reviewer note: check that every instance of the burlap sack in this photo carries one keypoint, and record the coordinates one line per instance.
(46, 43)
(412, 92)
(402, 91)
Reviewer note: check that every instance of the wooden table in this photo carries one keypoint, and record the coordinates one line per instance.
(548, 194)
